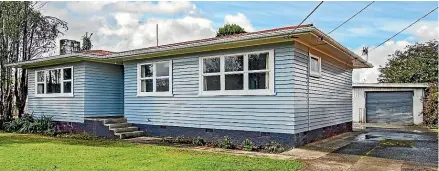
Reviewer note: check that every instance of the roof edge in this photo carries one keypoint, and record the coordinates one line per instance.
(391, 85)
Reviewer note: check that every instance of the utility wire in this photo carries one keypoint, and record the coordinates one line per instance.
(351, 17)
(307, 17)
(404, 29)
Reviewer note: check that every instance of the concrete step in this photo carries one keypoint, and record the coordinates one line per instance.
(118, 125)
(126, 129)
(133, 134)
(115, 120)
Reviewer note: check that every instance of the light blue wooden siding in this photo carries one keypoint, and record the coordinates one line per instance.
(187, 109)
(104, 90)
(69, 109)
(330, 96)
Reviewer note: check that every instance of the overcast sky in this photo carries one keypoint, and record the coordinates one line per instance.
(119, 26)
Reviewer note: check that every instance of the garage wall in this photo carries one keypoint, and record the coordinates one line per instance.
(359, 102)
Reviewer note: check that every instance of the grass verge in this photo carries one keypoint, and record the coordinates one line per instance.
(33, 152)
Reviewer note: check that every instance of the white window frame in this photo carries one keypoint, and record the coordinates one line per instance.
(62, 94)
(313, 73)
(154, 78)
(246, 91)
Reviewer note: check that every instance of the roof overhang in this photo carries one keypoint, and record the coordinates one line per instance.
(309, 36)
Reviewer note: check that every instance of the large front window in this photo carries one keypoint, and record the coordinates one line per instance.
(154, 79)
(238, 74)
(54, 82)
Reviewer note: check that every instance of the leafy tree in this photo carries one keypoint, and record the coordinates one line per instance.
(86, 41)
(24, 34)
(418, 63)
(230, 29)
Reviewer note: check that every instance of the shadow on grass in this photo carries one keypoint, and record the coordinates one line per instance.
(7, 139)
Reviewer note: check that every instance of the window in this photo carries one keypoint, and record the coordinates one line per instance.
(54, 82)
(154, 79)
(238, 74)
(315, 66)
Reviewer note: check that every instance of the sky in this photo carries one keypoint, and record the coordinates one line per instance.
(120, 26)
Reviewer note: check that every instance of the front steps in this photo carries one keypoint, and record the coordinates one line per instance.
(122, 128)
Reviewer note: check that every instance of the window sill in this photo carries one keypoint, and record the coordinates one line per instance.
(55, 95)
(315, 75)
(238, 93)
(155, 94)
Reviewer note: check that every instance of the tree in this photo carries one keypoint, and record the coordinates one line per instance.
(24, 34)
(86, 41)
(230, 29)
(418, 63)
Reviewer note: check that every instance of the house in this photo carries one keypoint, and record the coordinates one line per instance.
(290, 84)
(396, 103)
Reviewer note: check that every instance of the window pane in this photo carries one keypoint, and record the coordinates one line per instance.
(40, 76)
(146, 86)
(162, 84)
(257, 61)
(53, 80)
(67, 87)
(211, 65)
(162, 69)
(234, 63)
(212, 83)
(258, 80)
(234, 82)
(146, 71)
(40, 88)
(315, 67)
(67, 74)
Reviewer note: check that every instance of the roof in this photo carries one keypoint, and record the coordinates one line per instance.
(390, 85)
(101, 55)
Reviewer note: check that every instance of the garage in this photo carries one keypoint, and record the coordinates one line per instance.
(389, 107)
(390, 103)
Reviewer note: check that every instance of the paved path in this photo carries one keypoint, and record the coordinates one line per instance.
(372, 148)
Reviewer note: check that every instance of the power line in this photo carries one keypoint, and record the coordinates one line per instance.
(404, 29)
(351, 17)
(307, 17)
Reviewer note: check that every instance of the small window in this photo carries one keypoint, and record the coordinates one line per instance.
(238, 74)
(54, 82)
(155, 79)
(315, 66)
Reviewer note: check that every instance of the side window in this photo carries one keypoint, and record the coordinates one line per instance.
(315, 66)
(54, 82)
(154, 79)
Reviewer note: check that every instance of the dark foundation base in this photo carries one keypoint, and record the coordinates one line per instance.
(92, 127)
(258, 138)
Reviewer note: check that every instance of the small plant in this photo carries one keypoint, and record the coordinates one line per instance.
(212, 144)
(167, 139)
(80, 136)
(180, 139)
(198, 141)
(227, 143)
(247, 145)
(273, 147)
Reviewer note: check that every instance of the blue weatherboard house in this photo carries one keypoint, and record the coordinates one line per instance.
(292, 85)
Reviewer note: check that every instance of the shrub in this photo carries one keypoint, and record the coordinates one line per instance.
(212, 144)
(273, 147)
(198, 141)
(180, 139)
(27, 124)
(247, 145)
(430, 112)
(227, 143)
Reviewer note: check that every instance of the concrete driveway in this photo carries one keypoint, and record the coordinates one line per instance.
(373, 147)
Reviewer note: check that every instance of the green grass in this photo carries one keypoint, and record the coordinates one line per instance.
(32, 152)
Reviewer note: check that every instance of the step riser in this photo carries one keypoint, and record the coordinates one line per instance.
(115, 120)
(120, 125)
(128, 129)
(131, 134)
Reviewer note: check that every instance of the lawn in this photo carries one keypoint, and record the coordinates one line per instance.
(32, 152)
